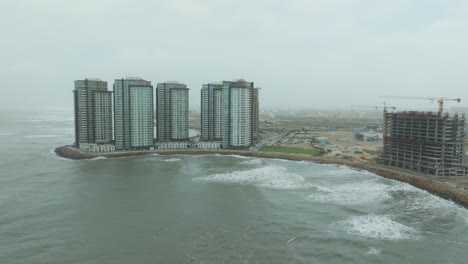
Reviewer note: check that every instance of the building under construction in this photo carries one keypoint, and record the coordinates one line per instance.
(426, 142)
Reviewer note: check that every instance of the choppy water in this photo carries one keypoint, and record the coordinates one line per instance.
(206, 209)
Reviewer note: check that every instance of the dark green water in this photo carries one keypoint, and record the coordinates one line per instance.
(206, 209)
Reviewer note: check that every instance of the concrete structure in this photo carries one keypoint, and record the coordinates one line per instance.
(133, 114)
(93, 112)
(237, 116)
(172, 112)
(211, 111)
(426, 142)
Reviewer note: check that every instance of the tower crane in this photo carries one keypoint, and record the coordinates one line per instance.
(439, 100)
(375, 107)
(384, 107)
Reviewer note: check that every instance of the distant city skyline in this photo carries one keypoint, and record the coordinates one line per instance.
(320, 54)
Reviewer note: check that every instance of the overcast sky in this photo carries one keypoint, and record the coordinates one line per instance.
(302, 53)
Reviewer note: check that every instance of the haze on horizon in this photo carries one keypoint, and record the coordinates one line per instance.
(307, 54)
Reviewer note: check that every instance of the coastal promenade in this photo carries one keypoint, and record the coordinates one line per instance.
(431, 185)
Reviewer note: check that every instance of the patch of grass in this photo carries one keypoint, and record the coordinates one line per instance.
(292, 150)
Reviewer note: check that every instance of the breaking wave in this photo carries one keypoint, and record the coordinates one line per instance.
(338, 171)
(374, 251)
(172, 160)
(237, 156)
(253, 162)
(353, 193)
(98, 158)
(379, 227)
(270, 177)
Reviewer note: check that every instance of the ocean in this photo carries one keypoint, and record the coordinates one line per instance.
(206, 209)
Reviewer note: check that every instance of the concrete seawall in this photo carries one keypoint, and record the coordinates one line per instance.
(435, 187)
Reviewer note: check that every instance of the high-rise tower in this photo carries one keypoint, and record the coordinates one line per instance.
(93, 112)
(133, 114)
(172, 111)
(237, 116)
(211, 111)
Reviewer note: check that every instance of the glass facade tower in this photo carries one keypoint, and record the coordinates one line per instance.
(133, 114)
(211, 111)
(237, 116)
(93, 112)
(172, 112)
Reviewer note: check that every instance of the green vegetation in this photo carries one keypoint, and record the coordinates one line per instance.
(293, 150)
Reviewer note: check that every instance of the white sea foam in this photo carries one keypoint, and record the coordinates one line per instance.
(374, 251)
(172, 160)
(52, 152)
(401, 186)
(271, 177)
(422, 200)
(379, 227)
(353, 193)
(323, 189)
(238, 156)
(343, 171)
(434, 207)
(465, 217)
(426, 201)
(151, 157)
(252, 162)
(98, 158)
(64, 159)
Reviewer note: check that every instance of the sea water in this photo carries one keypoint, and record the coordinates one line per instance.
(206, 209)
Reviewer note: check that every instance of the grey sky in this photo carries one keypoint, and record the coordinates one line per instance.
(321, 53)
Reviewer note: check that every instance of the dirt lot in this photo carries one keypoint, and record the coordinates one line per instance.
(343, 143)
(340, 142)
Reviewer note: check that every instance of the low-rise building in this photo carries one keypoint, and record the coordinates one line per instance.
(207, 145)
(97, 148)
(172, 145)
(369, 136)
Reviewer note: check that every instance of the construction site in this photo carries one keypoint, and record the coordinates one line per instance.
(426, 142)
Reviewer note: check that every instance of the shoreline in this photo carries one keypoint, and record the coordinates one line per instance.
(425, 183)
